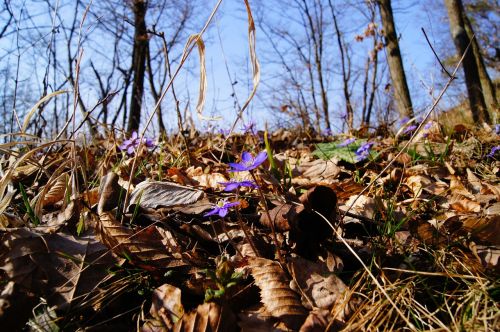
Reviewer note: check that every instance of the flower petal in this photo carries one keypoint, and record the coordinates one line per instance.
(261, 157)
(212, 212)
(230, 186)
(246, 157)
(131, 150)
(134, 135)
(222, 212)
(237, 167)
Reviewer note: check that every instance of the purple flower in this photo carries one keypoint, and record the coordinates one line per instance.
(409, 129)
(497, 129)
(232, 185)
(224, 132)
(221, 208)
(493, 151)
(130, 145)
(248, 162)
(363, 151)
(327, 132)
(428, 125)
(403, 121)
(347, 142)
(249, 128)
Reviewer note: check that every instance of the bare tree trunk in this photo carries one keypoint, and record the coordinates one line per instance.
(138, 62)
(487, 86)
(472, 79)
(398, 77)
(346, 71)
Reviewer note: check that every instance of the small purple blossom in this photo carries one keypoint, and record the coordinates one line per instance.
(221, 208)
(409, 129)
(403, 121)
(347, 142)
(249, 128)
(428, 125)
(131, 144)
(493, 151)
(224, 132)
(497, 129)
(232, 185)
(248, 162)
(363, 151)
(326, 132)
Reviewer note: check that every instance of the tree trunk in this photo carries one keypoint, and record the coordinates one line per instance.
(487, 86)
(472, 80)
(138, 62)
(401, 92)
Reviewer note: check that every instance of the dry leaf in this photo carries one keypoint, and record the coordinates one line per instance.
(155, 194)
(56, 191)
(207, 317)
(148, 246)
(109, 193)
(59, 267)
(319, 287)
(280, 300)
(317, 320)
(166, 308)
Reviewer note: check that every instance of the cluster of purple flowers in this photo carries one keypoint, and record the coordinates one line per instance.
(248, 163)
(131, 144)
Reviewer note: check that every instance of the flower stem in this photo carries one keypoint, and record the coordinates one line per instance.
(266, 209)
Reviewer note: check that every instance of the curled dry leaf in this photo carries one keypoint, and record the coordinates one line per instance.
(317, 320)
(109, 193)
(282, 215)
(148, 246)
(166, 308)
(56, 191)
(207, 317)
(277, 296)
(319, 287)
(155, 194)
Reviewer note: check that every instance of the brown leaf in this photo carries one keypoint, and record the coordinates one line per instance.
(150, 245)
(484, 230)
(58, 267)
(154, 194)
(489, 256)
(56, 191)
(319, 287)
(167, 307)
(317, 320)
(465, 205)
(207, 317)
(109, 193)
(281, 215)
(317, 171)
(277, 296)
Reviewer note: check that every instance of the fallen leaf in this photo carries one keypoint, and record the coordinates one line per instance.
(155, 194)
(281, 301)
(207, 317)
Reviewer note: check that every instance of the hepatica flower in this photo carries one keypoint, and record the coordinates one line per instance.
(347, 142)
(249, 128)
(232, 185)
(497, 129)
(363, 151)
(131, 144)
(221, 208)
(493, 151)
(248, 162)
(409, 129)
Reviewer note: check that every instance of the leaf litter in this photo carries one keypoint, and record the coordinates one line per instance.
(298, 247)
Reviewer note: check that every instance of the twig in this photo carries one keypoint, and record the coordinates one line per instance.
(433, 51)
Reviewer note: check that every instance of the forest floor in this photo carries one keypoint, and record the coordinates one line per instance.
(370, 232)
